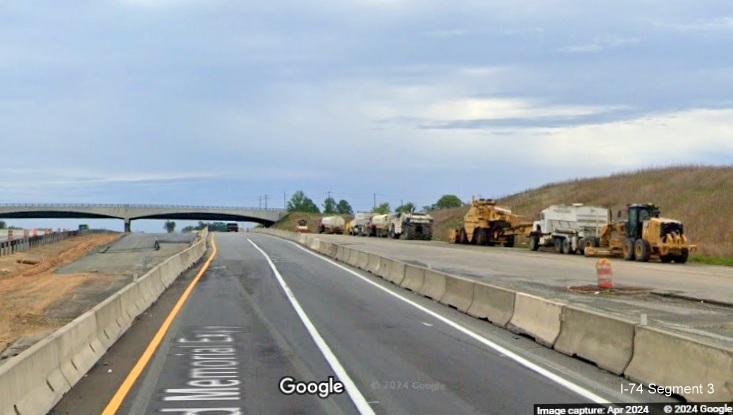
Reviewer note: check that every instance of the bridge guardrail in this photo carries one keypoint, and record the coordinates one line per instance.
(145, 206)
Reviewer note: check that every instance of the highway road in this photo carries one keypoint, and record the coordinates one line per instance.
(267, 310)
(506, 266)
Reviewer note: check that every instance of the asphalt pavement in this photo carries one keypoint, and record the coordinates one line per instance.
(249, 332)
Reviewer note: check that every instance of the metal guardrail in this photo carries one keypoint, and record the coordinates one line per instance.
(138, 206)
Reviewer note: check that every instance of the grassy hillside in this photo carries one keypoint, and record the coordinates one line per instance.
(698, 196)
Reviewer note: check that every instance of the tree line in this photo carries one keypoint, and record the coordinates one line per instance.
(299, 202)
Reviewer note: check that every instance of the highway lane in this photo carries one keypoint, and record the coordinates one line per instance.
(403, 357)
(516, 264)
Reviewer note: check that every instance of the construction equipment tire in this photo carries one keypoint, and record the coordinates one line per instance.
(567, 246)
(558, 245)
(408, 232)
(628, 249)
(641, 250)
(479, 236)
(682, 258)
(534, 243)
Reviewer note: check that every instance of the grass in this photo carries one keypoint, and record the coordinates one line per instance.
(712, 260)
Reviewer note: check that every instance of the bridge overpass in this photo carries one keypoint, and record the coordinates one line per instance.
(128, 213)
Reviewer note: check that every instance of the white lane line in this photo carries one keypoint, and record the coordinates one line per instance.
(504, 351)
(361, 403)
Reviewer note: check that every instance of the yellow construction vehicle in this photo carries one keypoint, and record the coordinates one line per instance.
(642, 236)
(488, 224)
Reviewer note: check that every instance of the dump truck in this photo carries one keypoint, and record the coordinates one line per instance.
(360, 224)
(379, 225)
(411, 226)
(643, 235)
(488, 224)
(568, 228)
(331, 224)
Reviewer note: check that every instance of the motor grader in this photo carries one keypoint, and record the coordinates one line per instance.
(488, 224)
(642, 236)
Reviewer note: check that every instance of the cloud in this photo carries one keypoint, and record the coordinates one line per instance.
(599, 44)
(718, 24)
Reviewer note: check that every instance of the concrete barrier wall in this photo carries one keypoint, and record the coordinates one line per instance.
(353, 257)
(34, 383)
(79, 347)
(458, 293)
(536, 317)
(110, 320)
(340, 253)
(434, 285)
(35, 380)
(495, 304)
(362, 260)
(394, 271)
(672, 359)
(414, 278)
(373, 264)
(602, 339)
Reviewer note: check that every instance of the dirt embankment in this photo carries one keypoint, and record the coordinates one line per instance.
(27, 291)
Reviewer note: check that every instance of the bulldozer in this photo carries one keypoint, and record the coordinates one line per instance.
(642, 236)
(488, 224)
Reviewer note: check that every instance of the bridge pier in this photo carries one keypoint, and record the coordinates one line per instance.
(128, 228)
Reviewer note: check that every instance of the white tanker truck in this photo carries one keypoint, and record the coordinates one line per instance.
(331, 224)
(379, 225)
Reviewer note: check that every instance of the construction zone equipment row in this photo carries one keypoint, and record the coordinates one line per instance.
(35, 380)
(576, 228)
(400, 225)
(619, 345)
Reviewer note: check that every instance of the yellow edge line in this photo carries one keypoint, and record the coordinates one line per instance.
(124, 389)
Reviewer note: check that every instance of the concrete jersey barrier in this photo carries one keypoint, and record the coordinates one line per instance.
(414, 278)
(536, 317)
(604, 340)
(495, 304)
(672, 359)
(458, 293)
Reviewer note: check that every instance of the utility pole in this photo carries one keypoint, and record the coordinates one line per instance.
(285, 204)
(260, 198)
(329, 194)
(265, 201)
(375, 201)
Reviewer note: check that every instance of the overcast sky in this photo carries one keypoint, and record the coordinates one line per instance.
(222, 102)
